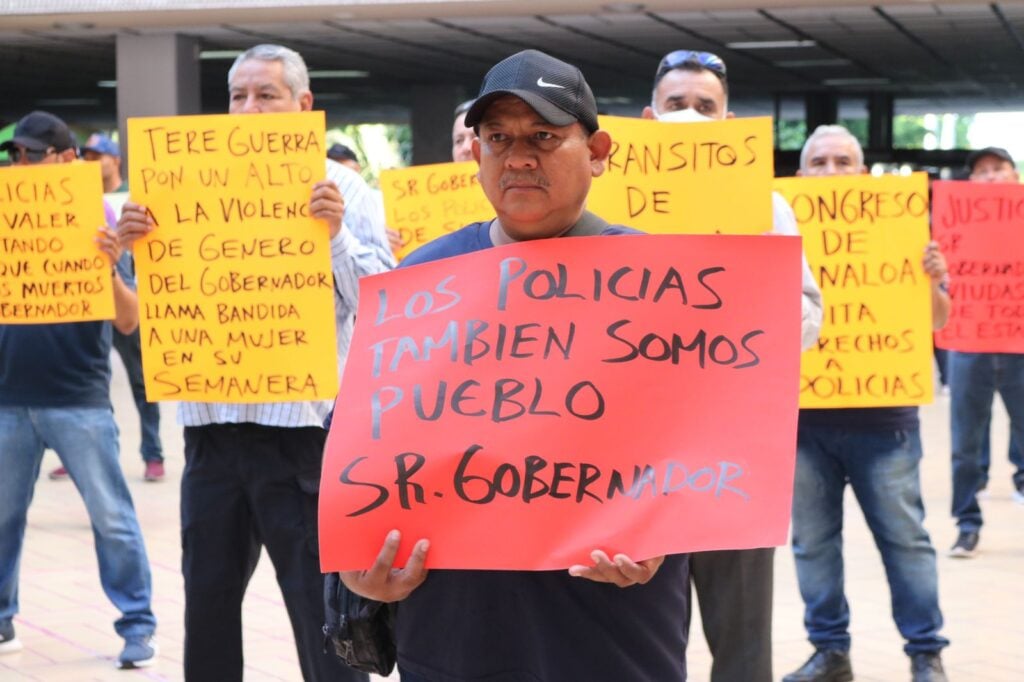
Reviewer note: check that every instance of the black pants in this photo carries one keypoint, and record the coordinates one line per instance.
(734, 589)
(247, 486)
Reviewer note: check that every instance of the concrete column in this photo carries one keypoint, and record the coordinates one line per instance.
(432, 117)
(157, 75)
(822, 109)
(880, 115)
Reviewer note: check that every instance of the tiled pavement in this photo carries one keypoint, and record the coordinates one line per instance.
(66, 623)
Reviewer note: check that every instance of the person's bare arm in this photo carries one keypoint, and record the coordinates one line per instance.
(935, 265)
(126, 303)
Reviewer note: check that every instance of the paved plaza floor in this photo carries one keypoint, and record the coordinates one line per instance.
(66, 622)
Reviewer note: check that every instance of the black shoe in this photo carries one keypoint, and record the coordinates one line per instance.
(9, 642)
(966, 543)
(825, 665)
(927, 667)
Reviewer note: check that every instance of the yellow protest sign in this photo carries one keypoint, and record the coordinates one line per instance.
(236, 296)
(864, 238)
(695, 178)
(425, 202)
(51, 269)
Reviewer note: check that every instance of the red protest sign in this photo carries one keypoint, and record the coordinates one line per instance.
(522, 406)
(980, 228)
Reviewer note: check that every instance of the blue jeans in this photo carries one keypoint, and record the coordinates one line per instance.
(85, 439)
(882, 468)
(942, 362)
(974, 379)
(1014, 454)
(127, 346)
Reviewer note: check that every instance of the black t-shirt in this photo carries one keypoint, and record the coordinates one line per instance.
(55, 365)
(540, 626)
(862, 418)
(65, 364)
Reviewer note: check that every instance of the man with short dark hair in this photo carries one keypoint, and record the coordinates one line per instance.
(734, 587)
(252, 470)
(877, 452)
(462, 135)
(539, 147)
(974, 379)
(100, 147)
(344, 155)
(55, 392)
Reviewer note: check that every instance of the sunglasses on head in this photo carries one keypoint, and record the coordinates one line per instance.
(32, 155)
(674, 60)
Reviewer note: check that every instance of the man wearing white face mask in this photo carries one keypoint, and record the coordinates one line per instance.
(734, 587)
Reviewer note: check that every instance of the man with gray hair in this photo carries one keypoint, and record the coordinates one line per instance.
(877, 451)
(252, 471)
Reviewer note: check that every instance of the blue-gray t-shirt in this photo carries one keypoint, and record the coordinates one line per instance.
(534, 626)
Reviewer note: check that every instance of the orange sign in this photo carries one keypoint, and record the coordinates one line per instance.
(236, 295)
(522, 406)
(692, 178)
(980, 228)
(51, 269)
(864, 237)
(425, 202)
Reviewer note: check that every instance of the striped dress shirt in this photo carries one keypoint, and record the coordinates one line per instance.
(360, 248)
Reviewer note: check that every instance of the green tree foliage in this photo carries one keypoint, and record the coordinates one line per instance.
(909, 132)
(790, 135)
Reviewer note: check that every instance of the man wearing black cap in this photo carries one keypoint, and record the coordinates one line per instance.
(734, 587)
(55, 392)
(539, 147)
(974, 379)
(992, 164)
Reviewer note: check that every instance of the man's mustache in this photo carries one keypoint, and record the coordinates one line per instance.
(511, 179)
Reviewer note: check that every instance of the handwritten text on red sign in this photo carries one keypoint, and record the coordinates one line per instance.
(524, 405)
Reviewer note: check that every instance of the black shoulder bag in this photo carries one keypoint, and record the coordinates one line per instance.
(360, 630)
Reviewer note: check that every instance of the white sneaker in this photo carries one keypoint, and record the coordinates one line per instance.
(138, 652)
(9, 642)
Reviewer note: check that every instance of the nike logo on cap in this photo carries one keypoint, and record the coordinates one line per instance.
(541, 83)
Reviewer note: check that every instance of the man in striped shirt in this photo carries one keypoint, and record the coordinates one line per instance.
(252, 471)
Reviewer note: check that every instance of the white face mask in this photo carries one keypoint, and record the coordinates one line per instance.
(690, 115)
